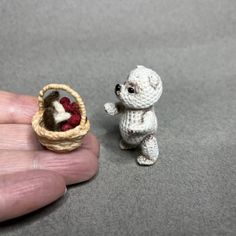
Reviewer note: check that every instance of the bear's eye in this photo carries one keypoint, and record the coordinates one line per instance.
(130, 90)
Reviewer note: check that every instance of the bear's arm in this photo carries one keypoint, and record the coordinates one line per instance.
(114, 108)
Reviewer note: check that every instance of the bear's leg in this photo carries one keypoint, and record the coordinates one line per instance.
(126, 146)
(150, 151)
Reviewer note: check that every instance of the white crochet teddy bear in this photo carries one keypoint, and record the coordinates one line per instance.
(138, 123)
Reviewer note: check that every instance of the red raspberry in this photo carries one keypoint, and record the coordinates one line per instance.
(67, 107)
(66, 126)
(75, 108)
(75, 105)
(74, 120)
(65, 100)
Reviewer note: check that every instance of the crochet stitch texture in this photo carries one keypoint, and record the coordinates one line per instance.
(138, 122)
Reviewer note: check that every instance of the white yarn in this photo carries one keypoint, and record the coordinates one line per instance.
(138, 123)
(58, 107)
(60, 114)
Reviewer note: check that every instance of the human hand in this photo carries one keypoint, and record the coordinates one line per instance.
(32, 177)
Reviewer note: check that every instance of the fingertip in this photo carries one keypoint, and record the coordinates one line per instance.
(91, 142)
(90, 168)
(84, 168)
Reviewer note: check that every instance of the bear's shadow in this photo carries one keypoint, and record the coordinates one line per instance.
(110, 141)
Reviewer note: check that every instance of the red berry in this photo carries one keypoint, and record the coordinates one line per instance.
(75, 111)
(74, 120)
(65, 100)
(67, 107)
(75, 105)
(75, 108)
(66, 126)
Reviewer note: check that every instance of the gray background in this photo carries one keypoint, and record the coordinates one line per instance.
(92, 45)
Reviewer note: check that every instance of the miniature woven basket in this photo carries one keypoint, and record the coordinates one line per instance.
(64, 141)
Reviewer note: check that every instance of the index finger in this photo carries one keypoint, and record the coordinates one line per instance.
(17, 108)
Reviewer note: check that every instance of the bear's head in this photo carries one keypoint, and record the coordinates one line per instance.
(141, 90)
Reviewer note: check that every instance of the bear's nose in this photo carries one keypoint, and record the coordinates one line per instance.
(117, 88)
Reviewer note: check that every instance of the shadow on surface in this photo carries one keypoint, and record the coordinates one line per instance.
(110, 142)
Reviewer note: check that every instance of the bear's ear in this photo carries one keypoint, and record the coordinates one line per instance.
(154, 81)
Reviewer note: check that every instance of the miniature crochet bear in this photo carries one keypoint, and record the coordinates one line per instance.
(138, 123)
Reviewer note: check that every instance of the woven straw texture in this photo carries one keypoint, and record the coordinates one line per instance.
(60, 141)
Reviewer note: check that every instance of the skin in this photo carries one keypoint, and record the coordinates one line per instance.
(32, 177)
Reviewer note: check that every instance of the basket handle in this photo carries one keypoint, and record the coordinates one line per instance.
(69, 90)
